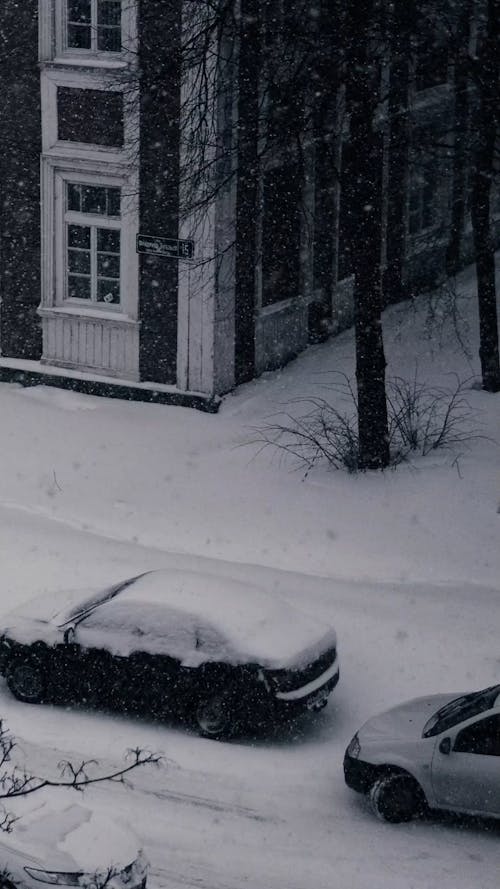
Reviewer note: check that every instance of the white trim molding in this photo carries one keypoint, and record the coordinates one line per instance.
(55, 173)
(52, 17)
(88, 336)
(92, 343)
(53, 78)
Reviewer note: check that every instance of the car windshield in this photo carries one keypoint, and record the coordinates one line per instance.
(76, 614)
(461, 708)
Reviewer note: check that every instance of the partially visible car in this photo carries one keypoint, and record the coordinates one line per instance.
(63, 842)
(222, 653)
(437, 752)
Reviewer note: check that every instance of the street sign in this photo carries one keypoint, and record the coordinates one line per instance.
(171, 248)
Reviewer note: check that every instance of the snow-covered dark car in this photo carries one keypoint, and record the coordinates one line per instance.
(221, 653)
(437, 752)
(64, 842)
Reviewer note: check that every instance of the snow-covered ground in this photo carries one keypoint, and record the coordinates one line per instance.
(405, 564)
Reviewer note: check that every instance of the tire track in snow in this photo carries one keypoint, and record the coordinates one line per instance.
(213, 805)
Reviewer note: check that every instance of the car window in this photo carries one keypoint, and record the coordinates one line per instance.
(482, 737)
(132, 626)
(87, 605)
(112, 616)
(460, 709)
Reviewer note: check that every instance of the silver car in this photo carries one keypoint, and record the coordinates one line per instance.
(437, 752)
(62, 841)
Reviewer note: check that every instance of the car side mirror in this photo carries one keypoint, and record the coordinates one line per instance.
(445, 746)
(69, 635)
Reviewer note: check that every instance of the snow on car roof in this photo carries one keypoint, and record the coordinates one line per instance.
(255, 622)
(249, 624)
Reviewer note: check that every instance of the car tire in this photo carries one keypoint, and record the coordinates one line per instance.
(26, 679)
(396, 797)
(215, 716)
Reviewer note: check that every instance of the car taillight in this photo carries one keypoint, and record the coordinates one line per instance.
(354, 748)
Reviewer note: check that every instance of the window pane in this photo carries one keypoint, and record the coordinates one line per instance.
(428, 203)
(79, 236)
(281, 246)
(414, 201)
(97, 200)
(108, 265)
(80, 11)
(481, 738)
(74, 197)
(93, 117)
(79, 36)
(108, 291)
(109, 32)
(79, 261)
(414, 225)
(94, 200)
(78, 287)
(431, 66)
(109, 39)
(109, 12)
(108, 240)
(114, 197)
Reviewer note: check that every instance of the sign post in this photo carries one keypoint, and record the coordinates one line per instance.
(169, 248)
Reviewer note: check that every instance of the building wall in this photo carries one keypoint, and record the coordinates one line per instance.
(159, 61)
(89, 193)
(103, 117)
(20, 146)
(114, 121)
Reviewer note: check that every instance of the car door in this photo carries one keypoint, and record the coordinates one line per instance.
(466, 767)
(101, 642)
(147, 642)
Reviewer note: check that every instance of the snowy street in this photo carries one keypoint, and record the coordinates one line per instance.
(275, 812)
(249, 444)
(404, 564)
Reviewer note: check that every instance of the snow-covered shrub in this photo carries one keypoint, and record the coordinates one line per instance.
(421, 419)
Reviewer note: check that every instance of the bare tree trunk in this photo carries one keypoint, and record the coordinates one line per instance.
(460, 139)
(487, 124)
(402, 26)
(364, 194)
(247, 186)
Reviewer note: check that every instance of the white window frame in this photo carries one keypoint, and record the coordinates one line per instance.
(52, 79)
(55, 176)
(93, 49)
(94, 222)
(53, 41)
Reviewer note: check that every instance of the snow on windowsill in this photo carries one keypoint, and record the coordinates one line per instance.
(87, 315)
(52, 370)
(87, 62)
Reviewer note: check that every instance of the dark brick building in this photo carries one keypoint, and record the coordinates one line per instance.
(91, 152)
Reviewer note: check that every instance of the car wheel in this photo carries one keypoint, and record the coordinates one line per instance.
(26, 679)
(320, 705)
(396, 798)
(215, 716)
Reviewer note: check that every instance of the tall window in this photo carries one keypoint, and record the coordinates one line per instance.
(422, 201)
(281, 232)
(93, 235)
(431, 66)
(94, 25)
